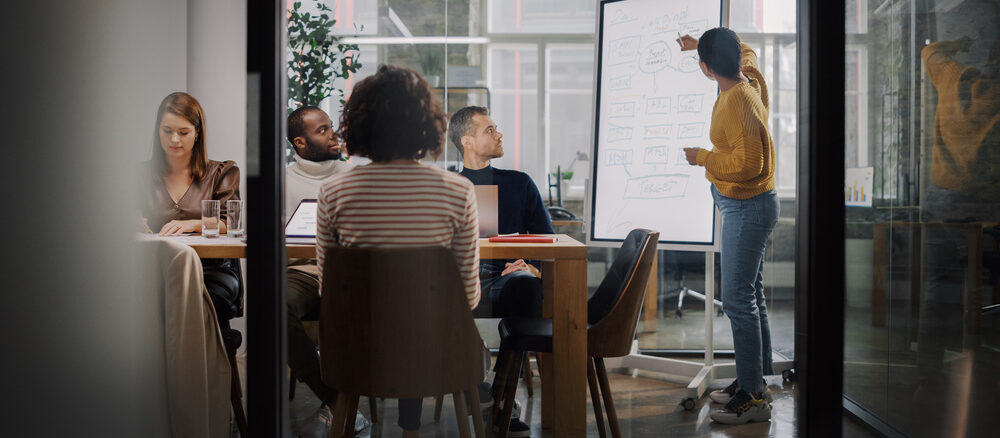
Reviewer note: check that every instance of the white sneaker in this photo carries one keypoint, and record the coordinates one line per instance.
(743, 408)
(319, 423)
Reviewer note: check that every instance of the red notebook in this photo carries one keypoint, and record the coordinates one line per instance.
(523, 238)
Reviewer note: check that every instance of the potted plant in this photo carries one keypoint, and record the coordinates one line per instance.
(316, 58)
(431, 61)
(562, 177)
(565, 176)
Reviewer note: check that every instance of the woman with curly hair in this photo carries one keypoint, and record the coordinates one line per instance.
(396, 201)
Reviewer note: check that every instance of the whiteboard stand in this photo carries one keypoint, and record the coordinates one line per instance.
(701, 373)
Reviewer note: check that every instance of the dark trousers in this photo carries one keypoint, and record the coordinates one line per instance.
(518, 294)
(302, 301)
(409, 413)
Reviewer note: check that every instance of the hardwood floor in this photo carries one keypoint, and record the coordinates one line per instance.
(647, 405)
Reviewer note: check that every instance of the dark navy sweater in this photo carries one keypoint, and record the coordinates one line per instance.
(521, 208)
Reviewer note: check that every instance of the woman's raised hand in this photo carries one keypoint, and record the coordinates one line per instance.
(687, 42)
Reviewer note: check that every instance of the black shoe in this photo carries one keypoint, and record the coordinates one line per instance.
(724, 395)
(517, 429)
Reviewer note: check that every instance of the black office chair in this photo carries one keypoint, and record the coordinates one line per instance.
(680, 262)
(612, 315)
(224, 282)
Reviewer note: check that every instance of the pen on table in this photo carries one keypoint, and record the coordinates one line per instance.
(507, 235)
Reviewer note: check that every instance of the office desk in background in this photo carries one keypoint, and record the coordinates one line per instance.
(564, 278)
(882, 260)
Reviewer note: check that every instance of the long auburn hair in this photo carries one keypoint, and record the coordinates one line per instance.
(183, 105)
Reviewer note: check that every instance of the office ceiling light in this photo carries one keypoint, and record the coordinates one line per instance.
(415, 40)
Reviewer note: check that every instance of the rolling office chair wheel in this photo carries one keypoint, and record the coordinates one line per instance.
(688, 404)
(788, 375)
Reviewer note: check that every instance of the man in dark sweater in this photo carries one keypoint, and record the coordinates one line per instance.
(514, 287)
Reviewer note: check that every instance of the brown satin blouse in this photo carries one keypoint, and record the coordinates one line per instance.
(221, 181)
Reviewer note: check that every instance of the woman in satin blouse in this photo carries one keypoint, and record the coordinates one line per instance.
(181, 173)
(179, 177)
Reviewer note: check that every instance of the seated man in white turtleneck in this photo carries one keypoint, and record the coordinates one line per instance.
(317, 155)
(317, 158)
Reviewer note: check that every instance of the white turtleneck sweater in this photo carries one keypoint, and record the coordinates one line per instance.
(303, 179)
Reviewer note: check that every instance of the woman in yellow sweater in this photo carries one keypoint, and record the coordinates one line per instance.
(741, 169)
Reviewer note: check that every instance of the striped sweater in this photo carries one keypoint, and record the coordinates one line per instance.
(389, 205)
(741, 162)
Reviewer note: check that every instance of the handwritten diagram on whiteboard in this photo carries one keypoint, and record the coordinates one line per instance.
(652, 101)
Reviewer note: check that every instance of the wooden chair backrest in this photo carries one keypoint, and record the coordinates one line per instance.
(611, 335)
(396, 323)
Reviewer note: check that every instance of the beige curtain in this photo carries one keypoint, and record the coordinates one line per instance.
(196, 369)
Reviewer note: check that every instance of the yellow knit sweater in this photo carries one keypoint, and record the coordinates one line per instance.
(741, 163)
(966, 124)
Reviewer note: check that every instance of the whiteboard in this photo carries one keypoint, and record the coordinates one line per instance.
(651, 100)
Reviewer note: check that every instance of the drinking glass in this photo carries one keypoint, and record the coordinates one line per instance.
(235, 223)
(210, 218)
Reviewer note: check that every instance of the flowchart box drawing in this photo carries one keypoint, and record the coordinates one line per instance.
(656, 186)
(618, 157)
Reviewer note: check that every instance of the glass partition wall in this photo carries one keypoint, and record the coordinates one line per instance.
(922, 242)
(532, 64)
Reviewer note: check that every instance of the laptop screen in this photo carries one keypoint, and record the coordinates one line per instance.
(488, 204)
(303, 221)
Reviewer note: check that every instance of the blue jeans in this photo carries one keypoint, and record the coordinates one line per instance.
(746, 226)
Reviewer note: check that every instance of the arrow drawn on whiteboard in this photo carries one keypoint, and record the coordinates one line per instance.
(612, 226)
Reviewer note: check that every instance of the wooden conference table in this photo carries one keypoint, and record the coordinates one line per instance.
(564, 278)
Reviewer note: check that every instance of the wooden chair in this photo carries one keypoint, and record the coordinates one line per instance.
(395, 323)
(612, 315)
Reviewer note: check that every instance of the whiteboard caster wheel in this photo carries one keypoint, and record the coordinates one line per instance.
(719, 312)
(788, 375)
(688, 404)
(678, 313)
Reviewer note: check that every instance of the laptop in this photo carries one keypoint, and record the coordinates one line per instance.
(301, 227)
(488, 204)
